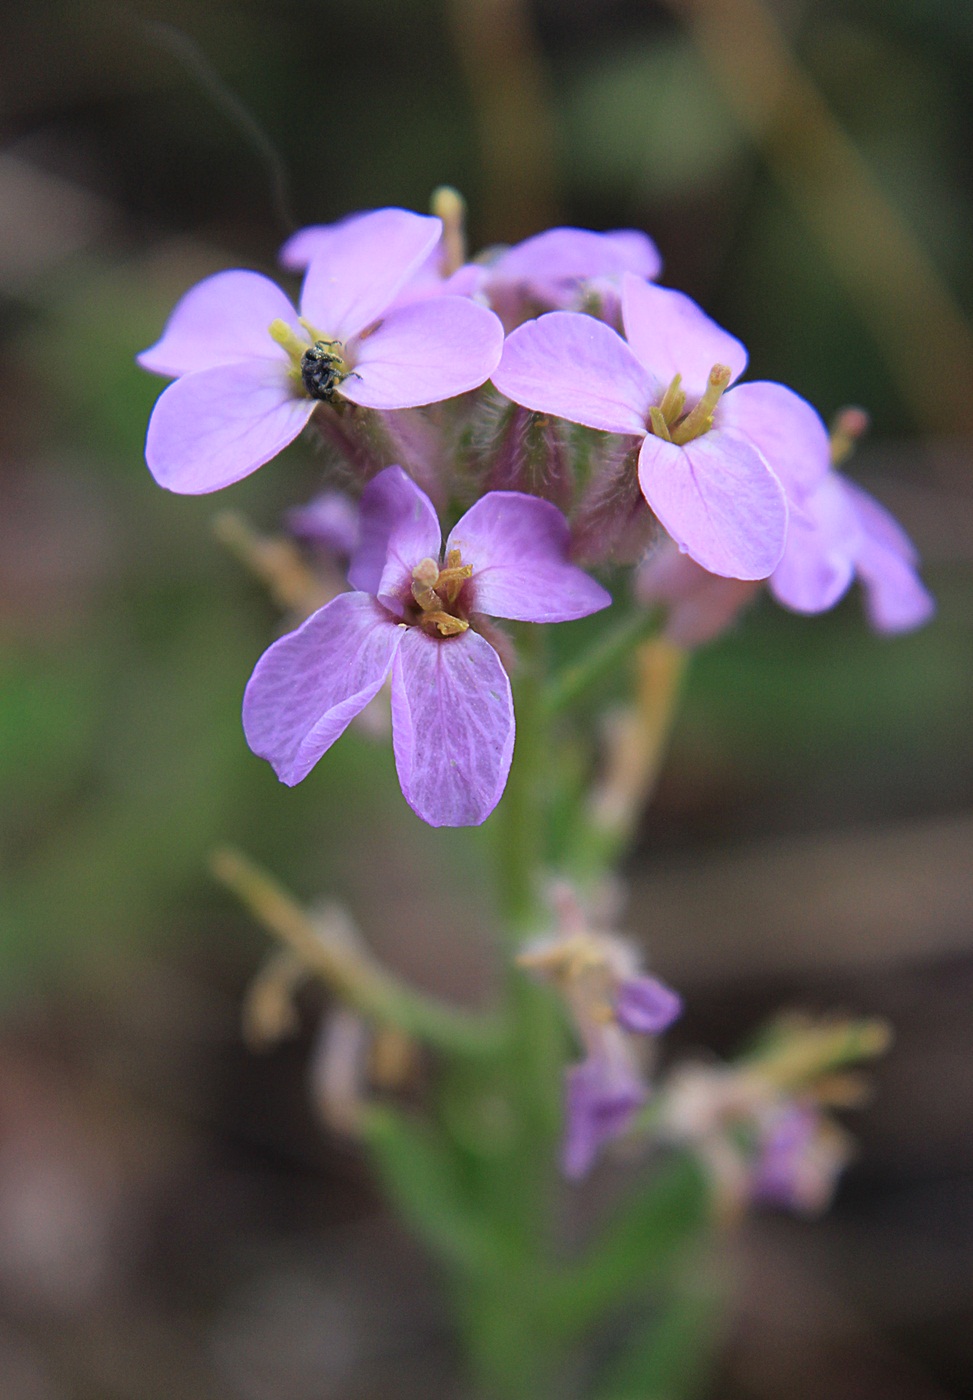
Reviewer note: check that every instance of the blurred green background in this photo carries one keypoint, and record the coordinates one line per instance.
(812, 841)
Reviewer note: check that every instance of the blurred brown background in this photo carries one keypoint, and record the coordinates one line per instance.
(174, 1222)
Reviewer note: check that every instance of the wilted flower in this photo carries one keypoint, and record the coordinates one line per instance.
(416, 616)
(610, 999)
(252, 370)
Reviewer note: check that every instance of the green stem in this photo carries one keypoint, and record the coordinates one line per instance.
(601, 662)
(354, 975)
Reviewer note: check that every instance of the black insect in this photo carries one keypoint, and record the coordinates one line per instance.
(321, 371)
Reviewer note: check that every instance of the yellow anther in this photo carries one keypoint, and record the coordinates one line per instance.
(450, 206)
(673, 401)
(659, 425)
(288, 339)
(849, 426)
(448, 625)
(699, 420)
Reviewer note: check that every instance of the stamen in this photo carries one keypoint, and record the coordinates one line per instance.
(699, 420)
(849, 426)
(659, 425)
(673, 401)
(449, 626)
(288, 339)
(425, 577)
(450, 206)
(454, 575)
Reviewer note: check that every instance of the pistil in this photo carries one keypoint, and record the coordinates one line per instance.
(699, 419)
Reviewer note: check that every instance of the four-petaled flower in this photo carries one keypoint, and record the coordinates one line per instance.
(837, 533)
(252, 371)
(415, 614)
(710, 460)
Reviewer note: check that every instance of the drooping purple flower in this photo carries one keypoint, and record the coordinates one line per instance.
(800, 1155)
(251, 370)
(710, 460)
(604, 1091)
(610, 1000)
(414, 613)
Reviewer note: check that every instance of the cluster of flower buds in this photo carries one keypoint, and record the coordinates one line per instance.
(578, 412)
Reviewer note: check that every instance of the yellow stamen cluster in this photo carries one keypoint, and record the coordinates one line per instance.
(579, 968)
(435, 589)
(667, 421)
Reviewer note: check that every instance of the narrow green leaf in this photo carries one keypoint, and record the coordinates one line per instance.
(650, 1235)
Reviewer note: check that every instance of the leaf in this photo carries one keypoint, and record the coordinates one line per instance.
(650, 1236)
(668, 1359)
(419, 1173)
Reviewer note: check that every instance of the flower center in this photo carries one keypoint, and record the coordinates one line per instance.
(670, 422)
(318, 368)
(437, 593)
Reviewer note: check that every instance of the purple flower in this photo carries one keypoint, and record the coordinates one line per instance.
(837, 532)
(604, 1092)
(800, 1156)
(251, 370)
(709, 460)
(416, 617)
(610, 1001)
(329, 523)
(563, 268)
(431, 278)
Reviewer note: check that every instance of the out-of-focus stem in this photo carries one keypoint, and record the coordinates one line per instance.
(356, 977)
(277, 562)
(498, 52)
(600, 662)
(927, 343)
(636, 745)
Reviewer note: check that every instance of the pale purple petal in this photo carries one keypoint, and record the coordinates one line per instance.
(787, 430)
(671, 335)
(309, 686)
(423, 353)
(700, 605)
(552, 264)
(880, 524)
(365, 261)
(787, 1143)
(896, 600)
(719, 501)
(452, 727)
(518, 547)
(636, 251)
(604, 1092)
(330, 522)
(575, 367)
(213, 428)
(817, 565)
(399, 528)
(306, 244)
(646, 1005)
(220, 321)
